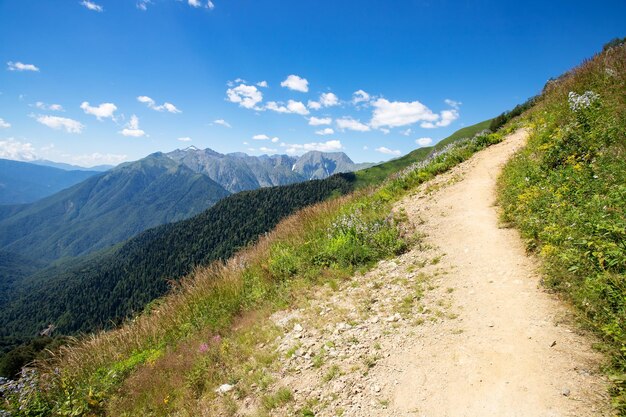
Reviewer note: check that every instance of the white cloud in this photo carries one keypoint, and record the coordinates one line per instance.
(445, 118)
(328, 146)
(324, 132)
(260, 137)
(262, 84)
(424, 141)
(267, 150)
(296, 83)
(53, 107)
(352, 124)
(385, 130)
(275, 140)
(388, 151)
(222, 122)
(316, 121)
(93, 159)
(314, 105)
(398, 113)
(210, 5)
(293, 106)
(360, 96)
(185, 139)
(18, 66)
(247, 96)
(406, 132)
(163, 107)
(194, 3)
(103, 111)
(16, 150)
(92, 6)
(143, 4)
(329, 100)
(54, 122)
(132, 128)
(3, 124)
(452, 103)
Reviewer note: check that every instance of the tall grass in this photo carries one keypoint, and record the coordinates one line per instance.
(170, 358)
(566, 192)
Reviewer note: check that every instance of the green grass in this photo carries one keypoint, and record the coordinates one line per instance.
(566, 192)
(378, 173)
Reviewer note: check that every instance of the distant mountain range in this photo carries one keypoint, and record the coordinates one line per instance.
(24, 182)
(239, 171)
(69, 167)
(107, 208)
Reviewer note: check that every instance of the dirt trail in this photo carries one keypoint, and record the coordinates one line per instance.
(503, 363)
(458, 326)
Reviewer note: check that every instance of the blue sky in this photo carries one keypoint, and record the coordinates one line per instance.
(104, 81)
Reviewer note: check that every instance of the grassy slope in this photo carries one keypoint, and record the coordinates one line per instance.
(376, 174)
(566, 192)
(152, 365)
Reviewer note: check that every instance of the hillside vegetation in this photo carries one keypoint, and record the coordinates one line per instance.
(566, 192)
(185, 344)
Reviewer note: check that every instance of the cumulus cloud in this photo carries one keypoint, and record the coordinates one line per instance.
(103, 111)
(423, 141)
(406, 132)
(388, 151)
(185, 139)
(360, 96)
(210, 5)
(328, 146)
(92, 6)
(293, 106)
(267, 150)
(18, 66)
(445, 118)
(316, 121)
(132, 128)
(262, 84)
(398, 113)
(16, 150)
(296, 83)
(314, 105)
(275, 140)
(169, 107)
(247, 96)
(324, 132)
(55, 122)
(351, 124)
(53, 107)
(260, 137)
(329, 100)
(222, 122)
(3, 124)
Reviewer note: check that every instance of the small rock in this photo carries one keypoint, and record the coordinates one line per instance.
(224, 388)
(297, 328)
(566, 392)
(553, 344)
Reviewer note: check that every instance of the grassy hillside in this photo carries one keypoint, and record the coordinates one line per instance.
(376, 174)
(169, 360)
(566, 192)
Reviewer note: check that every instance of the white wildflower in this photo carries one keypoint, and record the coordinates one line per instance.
(581, 101)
